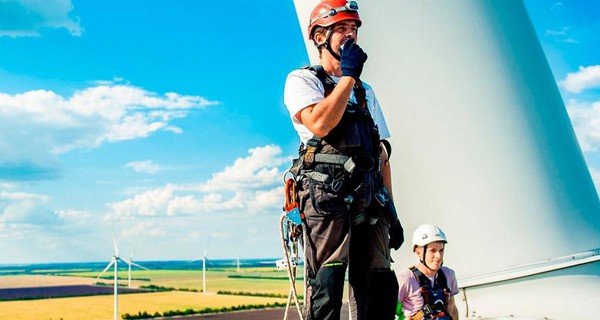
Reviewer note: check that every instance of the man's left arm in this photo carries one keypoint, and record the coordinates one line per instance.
(396, 231)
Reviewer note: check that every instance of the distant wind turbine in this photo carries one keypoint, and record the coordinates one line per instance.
(204, 267)
(131, 263)
(114, 261)
(204, 260)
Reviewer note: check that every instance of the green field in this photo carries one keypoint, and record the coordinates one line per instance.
(266, 280)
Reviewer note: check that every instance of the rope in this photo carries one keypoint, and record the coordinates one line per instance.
(284, 230)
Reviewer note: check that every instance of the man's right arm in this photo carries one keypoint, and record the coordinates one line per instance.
(322, 117)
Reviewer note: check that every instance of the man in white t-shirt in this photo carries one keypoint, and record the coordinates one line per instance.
(436, 300)
(342, 173)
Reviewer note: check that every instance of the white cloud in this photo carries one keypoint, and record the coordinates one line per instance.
(21, 196)
(147, 166)
(554, 33)
(595, 173)
(259, 169)
(585, 78)
(263, 200)
(145, 229)
(26, 18)
(585, 118)
(39, 125)
(26, 208)
(253, 184)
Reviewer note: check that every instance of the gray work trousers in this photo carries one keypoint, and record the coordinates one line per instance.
(333, 244)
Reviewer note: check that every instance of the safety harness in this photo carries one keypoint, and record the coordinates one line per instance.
(352, 144)
(435, 297)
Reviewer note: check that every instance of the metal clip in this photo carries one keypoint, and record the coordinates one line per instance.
(336, 185)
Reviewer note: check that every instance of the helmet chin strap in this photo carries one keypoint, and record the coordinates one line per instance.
(423, 260)
(328, 45)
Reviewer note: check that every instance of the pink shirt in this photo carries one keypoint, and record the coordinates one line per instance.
(410, 295)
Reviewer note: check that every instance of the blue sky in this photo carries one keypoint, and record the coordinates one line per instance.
(162, 122)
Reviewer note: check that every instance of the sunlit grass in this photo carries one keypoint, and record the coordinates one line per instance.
(253, 280)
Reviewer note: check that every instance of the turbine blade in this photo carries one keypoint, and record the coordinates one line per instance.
(116, 247)
(139, 266)
(106, 269)
(207, 244)
(115, 244)
(134, 249)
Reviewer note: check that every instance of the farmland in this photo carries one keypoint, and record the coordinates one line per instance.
(100, 307)
(184, 285)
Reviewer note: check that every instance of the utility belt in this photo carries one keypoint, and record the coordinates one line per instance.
(308, 158)
(357, 182)
(349, 164)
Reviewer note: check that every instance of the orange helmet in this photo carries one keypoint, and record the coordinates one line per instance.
(328, 12)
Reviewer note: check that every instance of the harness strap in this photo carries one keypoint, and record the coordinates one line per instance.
(311, 148)
(361, 94)
(332, 158)
(335, 183)
(317, 176)
(325, 79)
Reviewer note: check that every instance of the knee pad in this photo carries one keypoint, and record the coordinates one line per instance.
(327, 291)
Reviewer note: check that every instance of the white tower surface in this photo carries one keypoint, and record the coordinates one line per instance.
(483, 147)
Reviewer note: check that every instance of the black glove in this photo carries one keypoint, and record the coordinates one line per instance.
(396, 231)
(396, 235)
(352, 59)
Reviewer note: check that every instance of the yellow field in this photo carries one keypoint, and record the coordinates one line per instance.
(25, 281)
(101, 307)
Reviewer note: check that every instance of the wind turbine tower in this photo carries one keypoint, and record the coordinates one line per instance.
(204, 267)
(114, 261)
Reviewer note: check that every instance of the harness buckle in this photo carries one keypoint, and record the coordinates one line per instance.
(349, 165)
(311, 147)
(336, 185)
(309, 158)
(382, 197)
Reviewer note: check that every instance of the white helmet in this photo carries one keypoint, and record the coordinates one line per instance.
(426, 234)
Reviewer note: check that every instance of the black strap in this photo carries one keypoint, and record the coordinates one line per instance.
(361, 94)
(325, 79)
(439, 282)
(422, 278)
(359, 90)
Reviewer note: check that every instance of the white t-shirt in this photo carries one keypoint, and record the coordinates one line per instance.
(303, 88)
(409, 293)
